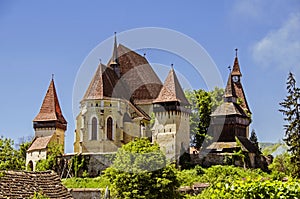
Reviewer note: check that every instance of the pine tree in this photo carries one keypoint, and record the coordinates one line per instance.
(291, 111)
(254, 140)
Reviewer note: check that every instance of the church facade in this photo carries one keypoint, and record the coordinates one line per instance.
(126, 100)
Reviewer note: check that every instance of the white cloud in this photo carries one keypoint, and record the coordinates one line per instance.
(280, 48)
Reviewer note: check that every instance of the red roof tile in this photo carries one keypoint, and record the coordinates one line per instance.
(50, 109)
(23, 184)
(172, 91)
(105, 84)
(143, 83)
(40, 143)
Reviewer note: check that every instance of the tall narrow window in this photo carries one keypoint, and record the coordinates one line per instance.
(109, 128)
(94, 129)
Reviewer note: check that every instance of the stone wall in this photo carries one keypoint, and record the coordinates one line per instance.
(85, 193)
(92, 163)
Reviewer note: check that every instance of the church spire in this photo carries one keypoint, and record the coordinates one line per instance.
(171, 90)
(236, 67)
(114, 62)
(50, 110)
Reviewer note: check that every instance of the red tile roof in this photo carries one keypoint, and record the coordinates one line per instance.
(105, 84)
(23, 184)
(40, 143)
(50, 109)
(236, 67)
(172, 91)
(142, 82)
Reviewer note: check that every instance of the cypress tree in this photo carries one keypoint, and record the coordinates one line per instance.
(290, 107)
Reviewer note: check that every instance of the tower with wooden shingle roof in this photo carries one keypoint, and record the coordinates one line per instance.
(171, 128)
(49, 126)
(230, 123)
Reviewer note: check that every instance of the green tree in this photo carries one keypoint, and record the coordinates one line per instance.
(290, 108)
(254, 140)
(281, 165)
(203, 103)
(140, 171)
(54, 151)
(10, 158)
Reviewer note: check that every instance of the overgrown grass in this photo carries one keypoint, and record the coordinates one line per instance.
(218, 173)
(98, 182)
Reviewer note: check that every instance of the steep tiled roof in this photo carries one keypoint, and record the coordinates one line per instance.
(238, 88)
(228, 108)
(241, 95)
(50, 109)
(21, 184)
(104, 84)
(171, 90)
(40, 143)
(142, 82)
(236, 67)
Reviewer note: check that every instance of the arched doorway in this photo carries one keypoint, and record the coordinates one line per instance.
(109, 128)
(30, 166)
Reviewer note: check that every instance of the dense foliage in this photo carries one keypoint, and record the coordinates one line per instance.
(290, 108)
(11, 158)
(140, 171)
(203, 103)
(51, 163)
(254, 189)
(235, 182)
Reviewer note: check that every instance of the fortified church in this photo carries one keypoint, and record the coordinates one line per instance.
(126, 100)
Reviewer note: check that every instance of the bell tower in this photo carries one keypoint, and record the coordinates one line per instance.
(50, 120)
(49, 126)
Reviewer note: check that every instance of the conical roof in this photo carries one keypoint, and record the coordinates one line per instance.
(50, 109)
(105, 84)
(236, 68)
(171, 90)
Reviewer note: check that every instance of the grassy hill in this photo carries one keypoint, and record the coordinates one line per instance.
(274, 149)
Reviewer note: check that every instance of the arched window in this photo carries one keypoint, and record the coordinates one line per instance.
(109, 128)
(94, 129)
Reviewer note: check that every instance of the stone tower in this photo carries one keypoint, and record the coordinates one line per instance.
(171, 128)
(49, 126)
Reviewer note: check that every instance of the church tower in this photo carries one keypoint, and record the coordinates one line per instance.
(171, 129)
(230, 122)
(49, 126)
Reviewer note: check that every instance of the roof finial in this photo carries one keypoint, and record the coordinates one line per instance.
(100, 60)
(52, 76)
(172, 66)
(236, 52)
(229, 68)
(144, 54)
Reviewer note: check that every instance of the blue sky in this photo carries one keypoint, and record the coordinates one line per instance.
(38, 38)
